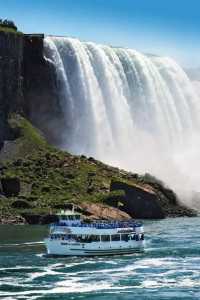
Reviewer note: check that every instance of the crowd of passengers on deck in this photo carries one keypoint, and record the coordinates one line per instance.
(98, 238)
(101, 225)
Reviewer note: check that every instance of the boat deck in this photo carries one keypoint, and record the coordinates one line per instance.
(101, 225)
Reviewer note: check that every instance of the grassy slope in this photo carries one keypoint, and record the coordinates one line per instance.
(50, 177)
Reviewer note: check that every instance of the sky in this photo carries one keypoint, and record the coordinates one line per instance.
(163, 27)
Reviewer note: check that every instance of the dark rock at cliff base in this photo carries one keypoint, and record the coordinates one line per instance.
(48, 219)
(150, 201)
(139, 202)
(158, 185)
(115, 198)
(20, 204)
(10, 186)
(34, 219)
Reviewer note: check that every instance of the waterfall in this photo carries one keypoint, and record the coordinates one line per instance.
(139, 112)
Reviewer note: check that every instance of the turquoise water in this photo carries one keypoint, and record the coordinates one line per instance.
(168, 269)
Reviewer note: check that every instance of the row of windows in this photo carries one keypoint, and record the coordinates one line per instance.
(71, 218)
(97, 238)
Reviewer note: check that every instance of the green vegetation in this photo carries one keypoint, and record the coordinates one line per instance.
(8, 26)
(50, 178)
(38, 179)
(7, 29)
(30, 140)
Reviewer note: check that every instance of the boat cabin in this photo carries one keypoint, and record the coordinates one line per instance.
(69, 218)
(89, 238)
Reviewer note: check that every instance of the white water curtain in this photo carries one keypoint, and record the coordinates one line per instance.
(138, 112)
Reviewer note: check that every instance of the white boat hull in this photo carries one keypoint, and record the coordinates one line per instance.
(65, 248)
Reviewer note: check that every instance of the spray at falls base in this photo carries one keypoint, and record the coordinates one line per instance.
(138, 112)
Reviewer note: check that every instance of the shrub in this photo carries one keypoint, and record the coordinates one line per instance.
(8, 24)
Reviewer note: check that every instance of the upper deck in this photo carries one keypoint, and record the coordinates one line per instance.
(100, 224)
(101, 227)
(70, 223)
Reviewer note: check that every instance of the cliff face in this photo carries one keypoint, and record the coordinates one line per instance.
(40, 92)
(27, 85)
(11, 80)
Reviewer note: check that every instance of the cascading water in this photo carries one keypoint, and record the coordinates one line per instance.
(139, 112)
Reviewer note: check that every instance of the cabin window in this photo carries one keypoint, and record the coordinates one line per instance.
(67, 236)
(95, 238)
(83, 239)
(105, 238)
(115, 237)
(124, 237)
(55, 236)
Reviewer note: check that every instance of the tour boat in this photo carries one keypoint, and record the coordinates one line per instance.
(73, 236)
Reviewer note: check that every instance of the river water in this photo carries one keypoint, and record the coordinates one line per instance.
(168, 269)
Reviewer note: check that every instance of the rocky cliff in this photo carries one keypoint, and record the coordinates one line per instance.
(41, 105)
(27, 84)
(11, 79)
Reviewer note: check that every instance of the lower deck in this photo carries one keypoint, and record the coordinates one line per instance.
(67, 247)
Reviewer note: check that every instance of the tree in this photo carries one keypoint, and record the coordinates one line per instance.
(8, 24)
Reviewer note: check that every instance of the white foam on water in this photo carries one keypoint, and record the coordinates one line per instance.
(67, 287)
(170, 283)
(86, 287)
(21, 244)
(157, 262)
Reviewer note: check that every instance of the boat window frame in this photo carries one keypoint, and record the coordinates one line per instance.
(105, 235)
(127, 237)
(116, 240)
